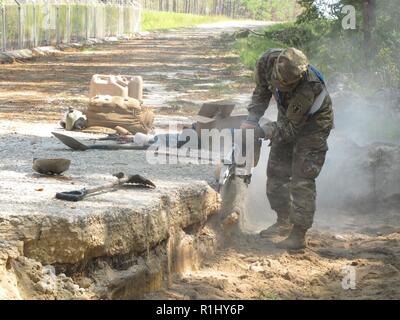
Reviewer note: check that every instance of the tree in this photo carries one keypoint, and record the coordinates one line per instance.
(369, 15)
(255, 9)
(310, 11)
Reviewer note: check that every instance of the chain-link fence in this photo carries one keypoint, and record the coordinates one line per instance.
(33, 23)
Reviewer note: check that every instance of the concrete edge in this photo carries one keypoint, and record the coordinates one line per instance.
(10, 57)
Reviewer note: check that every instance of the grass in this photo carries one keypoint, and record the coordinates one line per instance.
(154, 20)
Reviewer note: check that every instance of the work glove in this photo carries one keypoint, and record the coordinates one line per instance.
(267, 129)
(259, 133)
(253, 125)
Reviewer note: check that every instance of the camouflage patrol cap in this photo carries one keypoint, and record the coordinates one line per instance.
(289, 67)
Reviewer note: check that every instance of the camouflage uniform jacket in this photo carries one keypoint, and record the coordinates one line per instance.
(294, 106)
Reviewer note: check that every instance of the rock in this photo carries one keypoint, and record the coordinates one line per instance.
(23, 54)
(287, 276)
(8, 250)
(85, 282)
(49, 269)
(251, 259)
(339, 237)
(35, 277)
(44, 287)
(256, 268)
(316, 282)
(46, 51)
(231, 219)
(6, 59)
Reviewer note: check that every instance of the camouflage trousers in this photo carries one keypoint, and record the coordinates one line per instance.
(292, 170)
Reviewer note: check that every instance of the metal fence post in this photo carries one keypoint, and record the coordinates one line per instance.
(140, 17)
(57, 24)
(120, 19)
(107, 22)
(57, 21)
(3, 28)
(77, 21)
(131, 17)
(137, 6)
(47, 23)
(94, 20)
(19, 25)
(69, 22)
(103, 25)
(86, 20)
(34, 24)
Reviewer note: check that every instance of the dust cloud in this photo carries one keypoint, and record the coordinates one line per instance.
(362, 168)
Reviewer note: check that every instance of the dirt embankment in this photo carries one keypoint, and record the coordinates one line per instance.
(125, 244)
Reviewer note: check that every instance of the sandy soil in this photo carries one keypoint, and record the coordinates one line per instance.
(254, 269)
(181, 70)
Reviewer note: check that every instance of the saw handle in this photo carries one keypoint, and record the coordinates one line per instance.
(73, 196)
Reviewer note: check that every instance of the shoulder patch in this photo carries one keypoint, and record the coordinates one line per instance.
(299, 106)
(296, 108)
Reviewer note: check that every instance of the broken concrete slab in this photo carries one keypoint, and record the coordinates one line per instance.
(46, 51)
(27, 54)
(4, 58)
(112, 224)
(19, 54)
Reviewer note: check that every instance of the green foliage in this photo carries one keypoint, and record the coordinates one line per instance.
(156, 20)
(310, 12)
(333, 50)
(292, 35)
(277, 10)
(280, 35)
(337, 50)
(250, 49)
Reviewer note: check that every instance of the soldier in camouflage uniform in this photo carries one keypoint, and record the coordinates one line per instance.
(298, 138)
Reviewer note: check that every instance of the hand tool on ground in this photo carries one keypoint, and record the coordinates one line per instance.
(114, 137)
(163, 140)
(78, 195)
(79, 146)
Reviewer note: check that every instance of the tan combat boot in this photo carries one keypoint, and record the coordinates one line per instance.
(281, 228)
(295, 241)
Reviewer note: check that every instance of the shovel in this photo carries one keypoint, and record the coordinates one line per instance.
(78, 195)
(79, 146)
